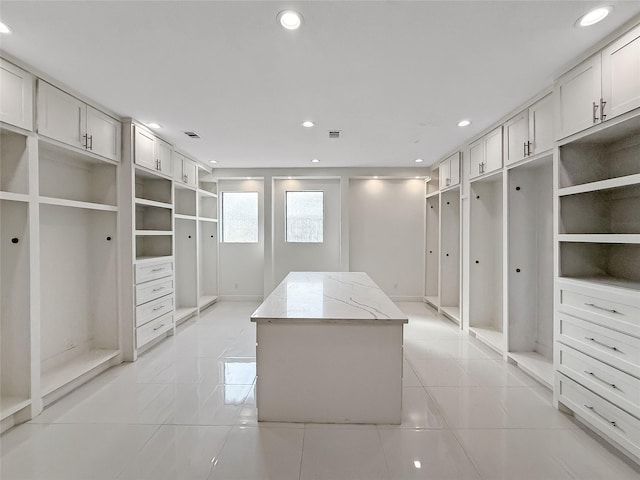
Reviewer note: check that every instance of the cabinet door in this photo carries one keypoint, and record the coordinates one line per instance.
(144, 149)
(16, 96)
(577, 90)
(621, 75)
(451, 166)
(493, 150)
(516, 138)
(476, 159)
(177, 161)
(443, 170)
(61, 116)
(541, 125)
(103, 134)
(189, 170)
(163, 154)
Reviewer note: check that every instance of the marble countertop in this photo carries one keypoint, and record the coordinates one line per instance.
(331, 296)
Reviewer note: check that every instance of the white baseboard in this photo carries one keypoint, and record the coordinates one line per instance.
(240, 298)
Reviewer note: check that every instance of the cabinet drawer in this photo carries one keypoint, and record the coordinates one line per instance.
(153, 329)
(613, 308)
(152, 290)
(618, 387)
(150, 310)
(614, 348)
(602, 415)
(150, 271)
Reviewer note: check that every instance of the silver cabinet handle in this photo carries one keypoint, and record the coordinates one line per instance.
(591, 339)
(602, 104)
(524, 149)
(84, 137)
(612, 385)
(157, 289)
(158, 328)
(528, 148)
(90, 147)
(595, 109)
(158, 308)
(603, 308)
(157, 269)
(613, 424)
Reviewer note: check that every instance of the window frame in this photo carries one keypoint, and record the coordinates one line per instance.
(286, 218)
(223, 221)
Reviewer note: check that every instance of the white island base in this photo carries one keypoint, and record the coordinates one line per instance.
(329, 350)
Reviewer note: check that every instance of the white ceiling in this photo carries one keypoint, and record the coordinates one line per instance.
(395, 77)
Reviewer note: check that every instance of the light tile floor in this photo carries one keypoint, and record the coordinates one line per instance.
(186, 410)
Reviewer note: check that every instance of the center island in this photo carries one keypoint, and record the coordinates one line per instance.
(329, 350)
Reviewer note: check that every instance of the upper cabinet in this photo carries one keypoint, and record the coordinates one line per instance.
(450, 171)
(152, 152)
(485, 154)
(530, 132)
(602, 87)
(16, 96)
(184, 170)
(64, 118)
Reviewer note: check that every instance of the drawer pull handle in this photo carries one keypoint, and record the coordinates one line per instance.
(613, 424)
(598, 307)
(157, 269)
(157, 289)
(612, 385)
(162, 325)
(158, 308)
(603, 344)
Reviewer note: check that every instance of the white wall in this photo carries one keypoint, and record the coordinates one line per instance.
(314, 257)
(387, 234)
(241, 268)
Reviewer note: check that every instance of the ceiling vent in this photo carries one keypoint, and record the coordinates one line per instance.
(334, 133)
(192, 134)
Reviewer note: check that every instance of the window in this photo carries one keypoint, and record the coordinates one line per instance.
(305, 217)
(240, 217)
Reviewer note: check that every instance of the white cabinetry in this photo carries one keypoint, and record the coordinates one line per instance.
(597, 298)
(432, 254)
(450, 254)
(66, 119)
(152, 152)
(450, 171)
(16, 96)
(208, 240)
(486, 154)
(601, 88)
(530, 132)
(184, 170)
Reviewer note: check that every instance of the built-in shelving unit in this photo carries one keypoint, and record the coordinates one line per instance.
(432, 235)
(450, 253)
(529, 278)
(486, 316)
(207, 262)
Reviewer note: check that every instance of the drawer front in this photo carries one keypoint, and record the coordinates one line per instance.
(620, 311)
(614, 348)
(151, 310)
(605, 417)
(618, 387)
(150, 271)
(152, 290)
(153, 329)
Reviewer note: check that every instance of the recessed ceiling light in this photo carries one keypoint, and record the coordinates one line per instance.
(464, 123)
(594, 16)
(416, 176)
(417, 464)
(4, 28)
(248, 178)
(308, 124)
(153, 125)
(289, 178)
(419, 160)
(213, 161)
(290, 19)
(315, 160)
(376, 177)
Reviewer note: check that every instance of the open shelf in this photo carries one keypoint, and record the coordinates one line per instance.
(530, 268)
(68, 175)
(152, 187)
(11, 405)
(14, 162)
(77, 204)
(491, 337)
(600, 238)
(150, 245)
(601, 185)
(208, 207)
(606, 263)
(208, 263)
(206, 300)
(150, 218)
(178, 216)
(184, 313)
(432, 300)
(152, 203)
(538, 366)
(450, 253)
(432, 253)
(186, 264)
(185, 201)
(74, 368)
(206, 184)
(607, 280)
(208, 194)
(486, 259)
(14, 197)
(452, 312)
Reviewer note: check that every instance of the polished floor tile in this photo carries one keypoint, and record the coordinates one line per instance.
(187, 410)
